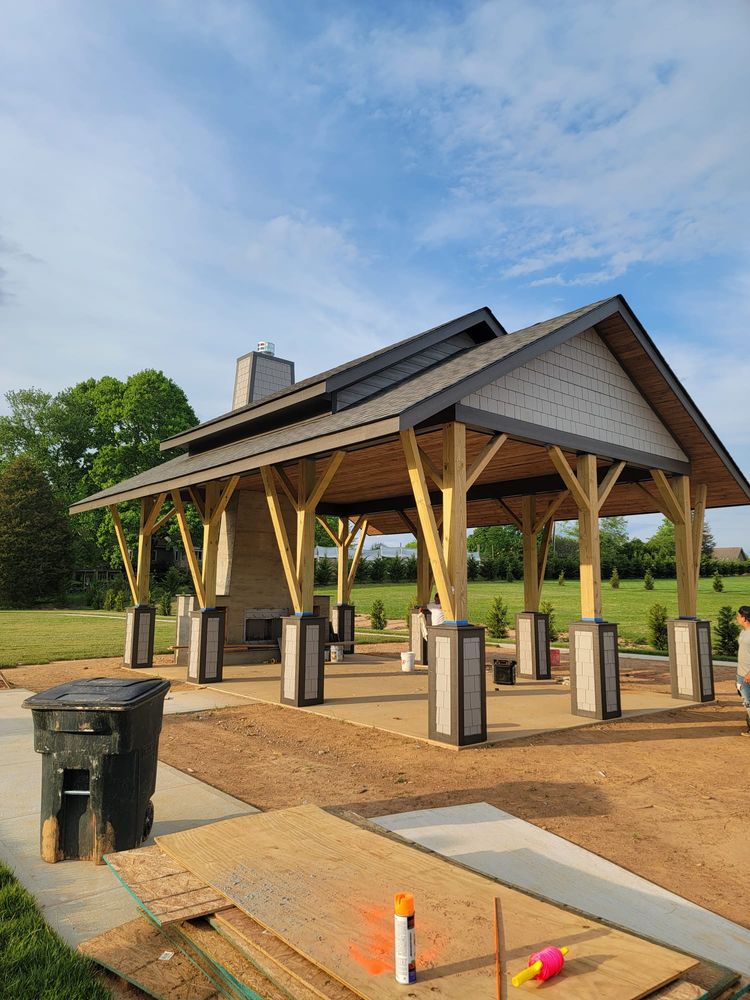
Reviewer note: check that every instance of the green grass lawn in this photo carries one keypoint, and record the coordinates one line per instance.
(43, 636)
(34, 963)
(628, 606)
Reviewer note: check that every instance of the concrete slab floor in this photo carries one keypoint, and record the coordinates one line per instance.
(77, 898)
(373, 691)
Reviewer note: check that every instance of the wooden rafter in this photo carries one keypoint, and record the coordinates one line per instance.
(198, 502)
(123, 545)
(484, 458)
(569, 477)
(511, 513)
(608, 483)
(408, 523)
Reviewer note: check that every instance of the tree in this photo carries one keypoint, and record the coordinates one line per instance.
(648, 580)
(500, 541)
(377, 615)
(726, 632)
(718, 583)
(498, 618)
(561, 579)
(614, 580)
(548, 609)
(613, 535)
(657, 626)
(322, 538)
(91, 436)
(35, 540)
(708, 542)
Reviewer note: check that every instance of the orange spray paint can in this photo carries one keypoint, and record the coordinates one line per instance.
(404, 938)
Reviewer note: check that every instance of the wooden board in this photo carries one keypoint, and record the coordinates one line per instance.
(326, 888)
(238, 976)
(269, 952)
(133, 952)
(165, 890)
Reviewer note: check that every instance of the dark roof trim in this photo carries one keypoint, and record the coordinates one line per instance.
(521, 430)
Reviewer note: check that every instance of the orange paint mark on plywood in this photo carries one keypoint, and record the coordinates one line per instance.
(374, 951)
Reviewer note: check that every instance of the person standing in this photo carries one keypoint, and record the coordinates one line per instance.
(743, 661)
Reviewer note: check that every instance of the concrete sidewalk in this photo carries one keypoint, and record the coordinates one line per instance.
(77, 898)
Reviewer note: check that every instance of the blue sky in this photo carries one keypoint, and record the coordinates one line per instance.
(181, 179)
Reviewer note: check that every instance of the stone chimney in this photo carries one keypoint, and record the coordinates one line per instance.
(260, 373)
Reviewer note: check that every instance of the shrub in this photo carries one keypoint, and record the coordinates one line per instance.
(488, 569)
(118, 601)
(561, 578)
(378, 569)
(377, 615)
(648, 580)
(718, 583)
(472, 568)
(548, 609)
(726, 632)
(614, 580)
(164, 602)
(412, 603)
(498, 619)
(657, 626)
(109, 599)
(95, 596)
(396, 569)
(324, 571)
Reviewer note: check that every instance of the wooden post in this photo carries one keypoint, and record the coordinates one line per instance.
(306, 534)
(143, 564)
(454, 516)
(342, 597)
(588, 521)
(211, 527)
(530, 555)
(683, 536)
(424, 571)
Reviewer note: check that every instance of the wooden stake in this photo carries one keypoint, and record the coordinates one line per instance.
(498, 924)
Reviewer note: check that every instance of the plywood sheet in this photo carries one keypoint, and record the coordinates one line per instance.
(133, 952)
(498, 844)
(326, 887)
(165, 890)
(270, 952)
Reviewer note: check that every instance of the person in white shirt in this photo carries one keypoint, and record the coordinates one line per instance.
(743, 661)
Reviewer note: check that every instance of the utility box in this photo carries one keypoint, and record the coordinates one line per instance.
(99, 740)
(503, 670)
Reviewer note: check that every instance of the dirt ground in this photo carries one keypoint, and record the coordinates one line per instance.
(46, 675)
(662, 795)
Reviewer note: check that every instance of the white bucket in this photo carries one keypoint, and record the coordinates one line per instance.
(407, 662)
(337, 653)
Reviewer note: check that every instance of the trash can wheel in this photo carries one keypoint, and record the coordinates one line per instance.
(148, 822)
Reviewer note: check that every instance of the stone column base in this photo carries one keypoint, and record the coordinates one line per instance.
(690, 664)
(457, 703)
(139, 636)
(185, 605)
(417, 642)
(342, 619)
(206, 653)
(594, 670)
(532, 645)
(302, 648)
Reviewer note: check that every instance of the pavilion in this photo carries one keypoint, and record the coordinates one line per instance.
(460, 426)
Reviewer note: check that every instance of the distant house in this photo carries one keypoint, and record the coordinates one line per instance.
(731, 554)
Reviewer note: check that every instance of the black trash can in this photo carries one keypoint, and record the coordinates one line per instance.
(99, 740)
(503, 670)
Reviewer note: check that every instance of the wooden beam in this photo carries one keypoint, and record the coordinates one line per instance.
(305, 561)
(163, 520)
(530, 555)
(427, 519)
(511, 513)
(484, 458)
(210, 561)
(570, 478)
(454, 516)
(355, 560)
(287, 486)
(699, 520)
(431, 469)
(187, 544)
(325, 480)
(282, 538)
(123, 545)
(672, 505)
(198, 502)
(150, 524)
(408, 523)
(544, 553)
(551, 510)
(607, 484)
(424, 570)
(327, 528)
(150, 508)
(354, 529)
(588, 537)
(226, 496)
(342, 561)
(656, 501)
(683, 538)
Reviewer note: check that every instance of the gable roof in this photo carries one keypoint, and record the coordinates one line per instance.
(422, 397)
(731, 553)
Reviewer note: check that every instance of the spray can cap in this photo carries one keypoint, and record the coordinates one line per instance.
(404, 904)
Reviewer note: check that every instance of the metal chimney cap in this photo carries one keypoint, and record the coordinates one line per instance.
(266, 347)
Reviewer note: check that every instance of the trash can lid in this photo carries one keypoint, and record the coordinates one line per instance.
(109, 693)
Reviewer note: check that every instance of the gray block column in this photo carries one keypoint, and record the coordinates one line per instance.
(139, 636)
(690, 662)
(594, 670)
(185, 606)
(457, 687)
(342, 619)
(302, 648)
(532, 646)
(417, 642)
(206, 654)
